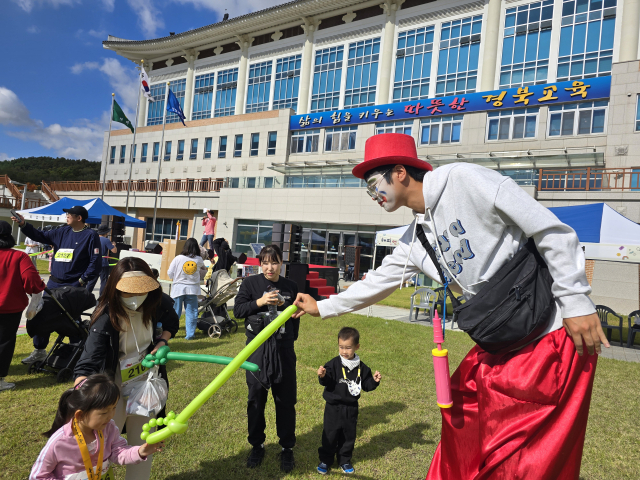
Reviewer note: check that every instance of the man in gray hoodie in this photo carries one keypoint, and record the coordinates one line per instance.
(521, 414)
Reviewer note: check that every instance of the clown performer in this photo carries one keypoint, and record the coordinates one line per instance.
(519, 414)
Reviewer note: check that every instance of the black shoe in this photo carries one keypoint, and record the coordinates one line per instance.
(286, 460)
(255, 457)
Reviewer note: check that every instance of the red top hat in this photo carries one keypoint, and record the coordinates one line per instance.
(390, 149)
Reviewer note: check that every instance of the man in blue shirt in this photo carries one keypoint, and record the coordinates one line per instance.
(76, 260)
(106, 249)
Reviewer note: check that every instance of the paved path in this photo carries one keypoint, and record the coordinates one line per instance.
(615, 352)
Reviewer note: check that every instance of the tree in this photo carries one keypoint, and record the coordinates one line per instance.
(35, 169)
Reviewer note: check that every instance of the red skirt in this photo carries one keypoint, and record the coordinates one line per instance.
(520, 415)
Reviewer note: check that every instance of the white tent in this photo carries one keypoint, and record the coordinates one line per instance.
(388, 238)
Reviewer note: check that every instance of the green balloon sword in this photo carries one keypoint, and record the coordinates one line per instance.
(178, 424)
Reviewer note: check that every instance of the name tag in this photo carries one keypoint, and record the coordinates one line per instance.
(131, 368)
(64, 255)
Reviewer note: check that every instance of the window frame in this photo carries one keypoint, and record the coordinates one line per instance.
(254, 150)
(521, 112)
(208, 141)
(112, 156)
(180, 156)
(576, 118)
(237, 153)
(222, 153)
(426, 48)
(259, 87)
(394, 127)
(144, 152)
(155, 154)
(441, 120)
(271, 150)
(296, 134)
(355, 67)
(207, 89)
(123, 154)
(332, 69)
(193, 153)
(330, 133)
(167, 151)
(286, 92)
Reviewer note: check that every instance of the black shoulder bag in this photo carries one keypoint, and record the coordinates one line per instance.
(515, 306)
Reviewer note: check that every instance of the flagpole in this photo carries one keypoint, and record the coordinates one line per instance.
(106, 160)
(160, 160)
(131, 157)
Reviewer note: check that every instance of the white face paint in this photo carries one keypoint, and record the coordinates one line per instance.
(387, 195)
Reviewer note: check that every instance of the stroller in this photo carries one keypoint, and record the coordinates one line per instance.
(62, 314)
(213, 317)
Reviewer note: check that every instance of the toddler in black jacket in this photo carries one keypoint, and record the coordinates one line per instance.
(343, 378)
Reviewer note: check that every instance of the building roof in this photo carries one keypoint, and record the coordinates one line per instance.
(272, 18)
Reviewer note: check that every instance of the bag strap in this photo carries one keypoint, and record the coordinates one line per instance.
(425, 243)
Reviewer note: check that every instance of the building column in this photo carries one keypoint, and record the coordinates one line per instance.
(190, 56)
(490, 50)
(629, 30)
(390, 8)
(310, 26)
(244, 41)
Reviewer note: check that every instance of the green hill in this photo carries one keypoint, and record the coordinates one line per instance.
(36, 169)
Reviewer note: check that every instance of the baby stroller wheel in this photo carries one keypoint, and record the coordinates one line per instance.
(64, 375)
(234, 326)
(214, 331)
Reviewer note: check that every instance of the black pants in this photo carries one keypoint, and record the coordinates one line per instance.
(285, 398)
(339, 433)
(9, 323)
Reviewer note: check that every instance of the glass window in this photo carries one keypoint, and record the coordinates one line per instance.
(441, 130)
(194, 149)
(112, 157)
(522, 177)
(259, 87)
(413, 64)
(577, 118)
(237, 149)
(123, 152)
(362, 73)
(180, 154)
(285, 94)
(638, 114)
(268, 182)
(525, 47)
(155, 109)
(133, 158)
(156, 151)
(222, 147)
(323, 181)
(586, 39)
(178, 87)
(458, 56)
(207, 147)
(251, 182)
(255, 142)
(512, 124)
(305, 141)
(167, 151)
(327, 76)
(226, 88)
(394, 127)
(203, 96)
(340, 138)
(143, 158)
(249, 231)
(166, 228)
(234, 182)
(271, 144)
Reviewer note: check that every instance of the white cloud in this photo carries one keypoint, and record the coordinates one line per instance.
(234, 9)
(108, 5)
(27, 5)
(33, 29)
(81, 140)
(149, 17)
(4, 156)
(102, 34)
(124, 81)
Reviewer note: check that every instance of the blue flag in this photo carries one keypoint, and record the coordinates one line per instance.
(173, 105)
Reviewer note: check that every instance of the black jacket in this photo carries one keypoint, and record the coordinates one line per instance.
(101, 351)
(252, 289)
(336, 391)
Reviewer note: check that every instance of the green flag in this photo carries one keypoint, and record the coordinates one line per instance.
(120, 117)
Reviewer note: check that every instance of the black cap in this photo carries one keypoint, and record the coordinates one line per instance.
(104, 229)
(5, 228)
(77, 210)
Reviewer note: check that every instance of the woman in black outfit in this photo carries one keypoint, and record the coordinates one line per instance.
(276, 357)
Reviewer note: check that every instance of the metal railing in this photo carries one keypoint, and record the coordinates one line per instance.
(590, 179)
(49, 192)
(166, 185)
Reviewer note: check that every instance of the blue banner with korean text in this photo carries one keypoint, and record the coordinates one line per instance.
(508, 98)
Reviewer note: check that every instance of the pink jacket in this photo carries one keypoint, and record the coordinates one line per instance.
(61, 455)
(209, 225)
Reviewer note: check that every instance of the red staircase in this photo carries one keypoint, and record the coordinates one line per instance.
(317, 287)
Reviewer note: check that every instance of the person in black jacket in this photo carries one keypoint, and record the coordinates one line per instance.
(122, 333)
(343, 378)
(257, 302)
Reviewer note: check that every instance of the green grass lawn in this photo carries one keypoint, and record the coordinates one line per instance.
(399, 424)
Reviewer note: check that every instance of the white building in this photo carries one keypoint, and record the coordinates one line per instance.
(241, 81)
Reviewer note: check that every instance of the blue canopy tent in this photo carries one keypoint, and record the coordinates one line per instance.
(604, 233)
(95, 206)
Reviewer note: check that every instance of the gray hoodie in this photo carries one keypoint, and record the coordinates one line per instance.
(481, 219)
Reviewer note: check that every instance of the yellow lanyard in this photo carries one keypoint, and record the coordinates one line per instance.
(84, 451)
(345, 375)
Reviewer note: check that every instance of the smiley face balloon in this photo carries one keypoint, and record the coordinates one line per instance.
(190, 267)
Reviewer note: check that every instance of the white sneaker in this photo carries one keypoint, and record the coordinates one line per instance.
(6, 385)
(35, 356)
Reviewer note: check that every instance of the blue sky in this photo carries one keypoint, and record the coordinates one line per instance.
(56, 79)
